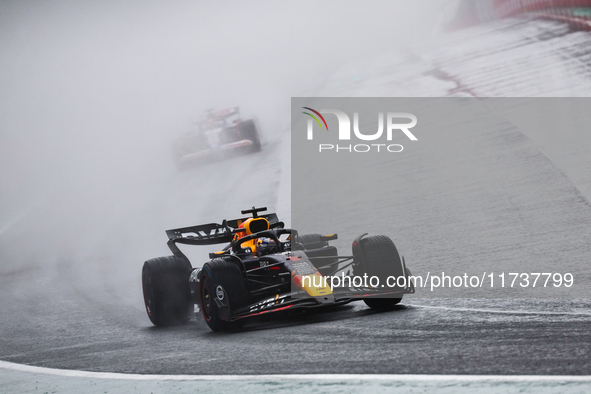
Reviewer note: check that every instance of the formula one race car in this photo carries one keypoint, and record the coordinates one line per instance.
(267, 268)
(217, 135)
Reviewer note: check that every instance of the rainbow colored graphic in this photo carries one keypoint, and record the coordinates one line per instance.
(315, 118)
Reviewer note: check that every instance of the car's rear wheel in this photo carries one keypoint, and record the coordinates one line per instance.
(316, 247)
(167, 296)
(249, 131)
(228, 275)
(382, 260)
(312, 241)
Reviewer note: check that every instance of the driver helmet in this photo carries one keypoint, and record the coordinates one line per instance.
(251, 226)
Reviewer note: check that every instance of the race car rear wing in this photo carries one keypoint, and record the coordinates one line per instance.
(213, 233)
(219, 115)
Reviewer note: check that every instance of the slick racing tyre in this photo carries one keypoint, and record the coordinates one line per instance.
(382, 260)
(167, 296)
(315, 247)
(312, 241)
(223, 280)
(249, 131)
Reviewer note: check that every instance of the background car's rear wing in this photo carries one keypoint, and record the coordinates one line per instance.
(219, 115)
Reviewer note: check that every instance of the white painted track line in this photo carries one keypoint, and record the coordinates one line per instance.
(506, 312)
(319, 377)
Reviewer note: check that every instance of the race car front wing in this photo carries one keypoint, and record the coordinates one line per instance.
(297, 300)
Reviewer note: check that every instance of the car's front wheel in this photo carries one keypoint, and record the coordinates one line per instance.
(382, 260)
(223, 280)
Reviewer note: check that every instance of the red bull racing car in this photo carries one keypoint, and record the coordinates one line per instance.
(265, 268)
(217, 135)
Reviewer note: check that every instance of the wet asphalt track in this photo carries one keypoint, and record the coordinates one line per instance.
(84, 310)
(68, 330)
(90, 317)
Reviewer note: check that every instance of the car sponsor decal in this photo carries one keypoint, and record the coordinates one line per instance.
(277, 300)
